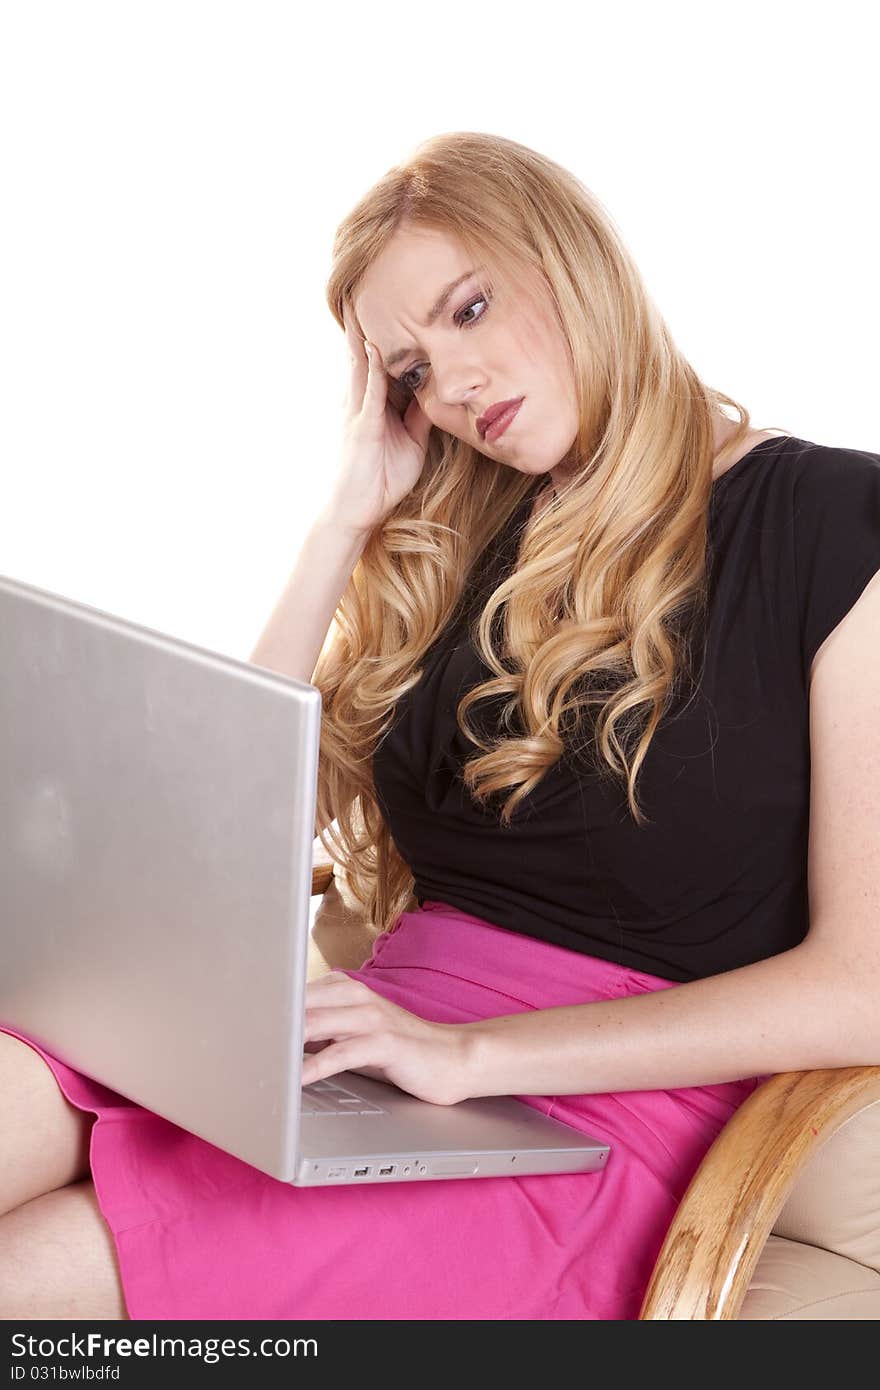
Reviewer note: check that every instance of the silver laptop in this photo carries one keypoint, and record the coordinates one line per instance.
(157, 816)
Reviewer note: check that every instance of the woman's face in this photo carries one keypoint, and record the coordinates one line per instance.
(475, 353)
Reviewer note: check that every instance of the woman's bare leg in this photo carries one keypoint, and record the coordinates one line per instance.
(58, 1259)
(57, 1255)
(44, 1140)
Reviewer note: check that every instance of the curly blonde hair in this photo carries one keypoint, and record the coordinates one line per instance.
(610, 585)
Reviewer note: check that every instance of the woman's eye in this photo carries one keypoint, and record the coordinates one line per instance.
(414, 387)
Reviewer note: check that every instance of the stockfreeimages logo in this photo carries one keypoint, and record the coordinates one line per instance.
(208, 1349)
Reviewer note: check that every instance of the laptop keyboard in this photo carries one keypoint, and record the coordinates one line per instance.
(328, 1098)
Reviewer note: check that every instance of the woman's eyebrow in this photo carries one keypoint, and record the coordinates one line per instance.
(435, 313)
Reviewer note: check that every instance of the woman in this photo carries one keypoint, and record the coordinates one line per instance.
(598, 711)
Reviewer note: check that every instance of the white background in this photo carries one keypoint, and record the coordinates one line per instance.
(172, 174)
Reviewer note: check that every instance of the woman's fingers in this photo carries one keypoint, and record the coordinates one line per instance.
(335, 979)
(340, 1021)
(355, 343)
(348, 1055)
(369, 382)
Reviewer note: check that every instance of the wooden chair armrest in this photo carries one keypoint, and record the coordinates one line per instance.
(322, 875)
(323, 868)
(709, 1255)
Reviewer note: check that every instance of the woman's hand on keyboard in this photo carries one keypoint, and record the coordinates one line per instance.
(349, 1027)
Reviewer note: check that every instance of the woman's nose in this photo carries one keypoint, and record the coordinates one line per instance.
(458, 385)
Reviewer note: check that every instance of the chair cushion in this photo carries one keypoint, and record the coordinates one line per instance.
(800, 1282)
(835, 1203)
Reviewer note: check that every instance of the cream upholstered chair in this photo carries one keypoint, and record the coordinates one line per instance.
(782, 1218)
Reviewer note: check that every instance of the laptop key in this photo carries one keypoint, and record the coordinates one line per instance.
(326, 1098)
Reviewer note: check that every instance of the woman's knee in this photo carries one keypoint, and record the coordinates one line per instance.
(58, 1259)
(44, 1140)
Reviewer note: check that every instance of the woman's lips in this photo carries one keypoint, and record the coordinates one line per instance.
(498, 426)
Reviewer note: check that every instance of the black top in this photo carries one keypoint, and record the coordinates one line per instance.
(718, 879)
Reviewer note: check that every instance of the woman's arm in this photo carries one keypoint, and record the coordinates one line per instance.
(796, 1011)
(292, 640)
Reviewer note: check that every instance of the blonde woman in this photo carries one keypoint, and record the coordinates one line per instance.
(601, 764)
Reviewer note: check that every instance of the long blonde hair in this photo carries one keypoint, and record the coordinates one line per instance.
(592, 612)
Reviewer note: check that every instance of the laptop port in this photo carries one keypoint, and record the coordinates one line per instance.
(361, 1172)
(385, 1172)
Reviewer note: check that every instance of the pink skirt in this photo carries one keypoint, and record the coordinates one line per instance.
(201, 1234)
